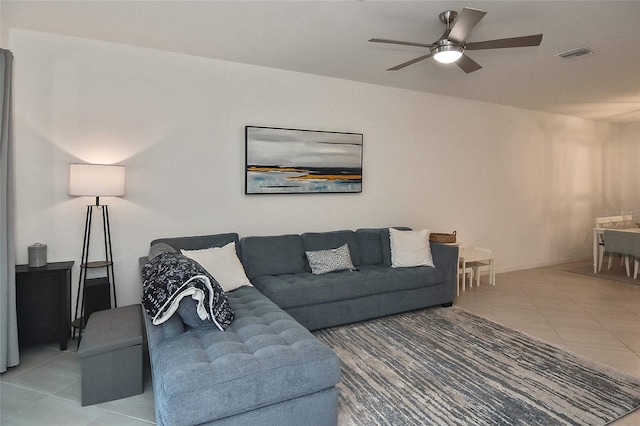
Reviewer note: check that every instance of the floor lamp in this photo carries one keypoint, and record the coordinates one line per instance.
(95, 180)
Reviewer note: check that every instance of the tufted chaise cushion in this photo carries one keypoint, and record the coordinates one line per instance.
(264, 357)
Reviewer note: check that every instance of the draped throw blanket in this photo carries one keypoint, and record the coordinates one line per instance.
(170, 277)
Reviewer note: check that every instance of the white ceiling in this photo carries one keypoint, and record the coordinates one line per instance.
(330, 38)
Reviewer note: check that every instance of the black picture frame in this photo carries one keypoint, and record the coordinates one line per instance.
(297, 161)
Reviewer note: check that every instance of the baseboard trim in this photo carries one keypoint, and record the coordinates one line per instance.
(534, 265)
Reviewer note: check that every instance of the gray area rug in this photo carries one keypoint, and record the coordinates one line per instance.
(445, 366)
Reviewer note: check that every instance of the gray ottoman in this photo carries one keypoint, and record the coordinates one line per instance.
(110, 355)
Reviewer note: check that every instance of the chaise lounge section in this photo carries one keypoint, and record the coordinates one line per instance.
(265, 368)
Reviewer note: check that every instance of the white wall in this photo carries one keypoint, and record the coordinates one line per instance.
(524, 183)
(621, 192)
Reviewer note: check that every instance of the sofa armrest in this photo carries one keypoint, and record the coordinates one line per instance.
(445, 257)
(141, 262)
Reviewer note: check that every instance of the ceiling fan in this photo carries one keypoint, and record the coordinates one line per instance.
(450, 47)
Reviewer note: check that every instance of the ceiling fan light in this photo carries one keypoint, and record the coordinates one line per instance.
(447, 54)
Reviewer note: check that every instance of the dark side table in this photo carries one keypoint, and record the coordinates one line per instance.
(43, 302)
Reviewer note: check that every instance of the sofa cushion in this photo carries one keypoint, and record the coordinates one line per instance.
(372, 253)
(295, 290)
(264, 357)
(273, 255)
(370, 245)
(201, 242)
(314, 241)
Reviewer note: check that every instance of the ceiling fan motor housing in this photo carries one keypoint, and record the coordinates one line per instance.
(444, 44)
(448, 16)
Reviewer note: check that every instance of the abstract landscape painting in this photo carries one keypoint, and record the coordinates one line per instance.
(286, 161)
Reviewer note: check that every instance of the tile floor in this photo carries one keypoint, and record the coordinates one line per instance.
(594, 317)
(45, 390)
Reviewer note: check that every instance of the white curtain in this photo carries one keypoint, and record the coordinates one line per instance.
(9, 355)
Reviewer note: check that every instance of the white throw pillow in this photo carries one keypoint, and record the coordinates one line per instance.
(410, 248)
(223, 264)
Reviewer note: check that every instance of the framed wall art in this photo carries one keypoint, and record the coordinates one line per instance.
(292, 161)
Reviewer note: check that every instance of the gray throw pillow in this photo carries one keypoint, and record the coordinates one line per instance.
(189, 314)
(332, 260)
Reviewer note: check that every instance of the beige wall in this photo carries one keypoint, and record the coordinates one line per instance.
(621, 180)
(524, 183)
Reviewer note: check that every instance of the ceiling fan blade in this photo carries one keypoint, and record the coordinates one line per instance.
(467, 64)
(405, 43)
(465, 22)
(532, 40)
(411, 62)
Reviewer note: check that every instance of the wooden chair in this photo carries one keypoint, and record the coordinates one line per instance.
(619, 222)
(611, 222)
(602, 222)
(616, 221)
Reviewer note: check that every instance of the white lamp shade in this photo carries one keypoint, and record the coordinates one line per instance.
(96, 180)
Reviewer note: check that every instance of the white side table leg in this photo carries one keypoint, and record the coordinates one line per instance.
(464, 275)
(492, 271)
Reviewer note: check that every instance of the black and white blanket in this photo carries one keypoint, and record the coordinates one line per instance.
(169, 277)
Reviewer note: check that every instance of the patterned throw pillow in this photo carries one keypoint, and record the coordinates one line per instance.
(323, 261)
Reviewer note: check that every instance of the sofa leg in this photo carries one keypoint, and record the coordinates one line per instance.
(447, 305)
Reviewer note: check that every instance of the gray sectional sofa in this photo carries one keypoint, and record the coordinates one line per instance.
(267, 367)
(277, 267)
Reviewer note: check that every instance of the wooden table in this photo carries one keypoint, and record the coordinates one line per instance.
(43, 303)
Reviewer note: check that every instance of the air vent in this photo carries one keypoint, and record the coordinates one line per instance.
(580, 52)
